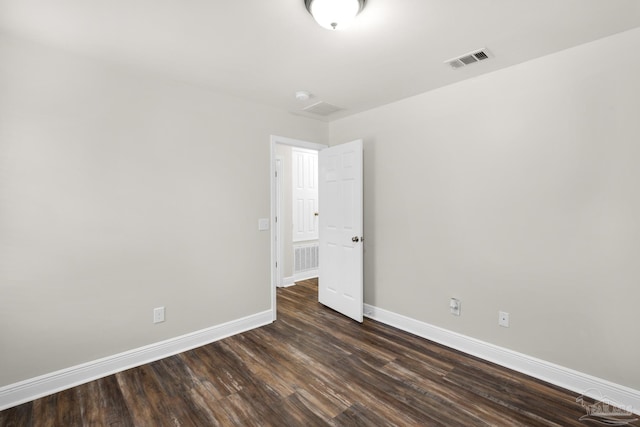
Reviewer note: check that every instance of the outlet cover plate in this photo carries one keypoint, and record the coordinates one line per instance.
(503, 319)
(158, 314)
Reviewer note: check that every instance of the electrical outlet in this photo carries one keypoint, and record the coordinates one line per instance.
(454, 306)
(503, 319)
(158, 314)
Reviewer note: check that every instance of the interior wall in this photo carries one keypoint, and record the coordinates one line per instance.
(515, 191)
(286, 209)
(122, 191)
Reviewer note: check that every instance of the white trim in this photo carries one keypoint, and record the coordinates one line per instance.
(34, 388)
(297, 143)
(272, 153)
(277, 219)
(291, 280)
(287, 281)
(546, 371)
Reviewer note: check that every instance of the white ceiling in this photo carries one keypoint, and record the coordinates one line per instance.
(265, 50)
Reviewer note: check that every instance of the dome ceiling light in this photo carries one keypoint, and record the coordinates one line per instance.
(334, 14)
(302, 95)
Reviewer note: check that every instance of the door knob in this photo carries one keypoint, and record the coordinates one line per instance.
(355, 239)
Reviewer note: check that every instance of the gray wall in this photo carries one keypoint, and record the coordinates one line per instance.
(286, 210)
(516, 191)
(119, 192)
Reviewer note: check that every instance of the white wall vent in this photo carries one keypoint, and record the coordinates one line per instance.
(468, 58)
(322, 108)
(305, 257)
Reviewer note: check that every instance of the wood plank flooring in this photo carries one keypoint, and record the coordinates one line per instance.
(312, 367)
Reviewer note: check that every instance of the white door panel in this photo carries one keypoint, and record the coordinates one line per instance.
(341, 227)
(305, 194)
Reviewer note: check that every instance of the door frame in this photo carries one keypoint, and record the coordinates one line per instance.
(275, 140)
(277, 224)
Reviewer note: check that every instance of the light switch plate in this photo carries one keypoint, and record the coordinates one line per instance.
(263, 224)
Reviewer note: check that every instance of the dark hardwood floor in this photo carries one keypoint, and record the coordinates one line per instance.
(312, 367)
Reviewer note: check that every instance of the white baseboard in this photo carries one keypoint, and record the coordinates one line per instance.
(569, 379)
(34, 388)
(291, 280)
(287, 281)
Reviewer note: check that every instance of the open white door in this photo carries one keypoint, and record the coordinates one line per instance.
(341, 229)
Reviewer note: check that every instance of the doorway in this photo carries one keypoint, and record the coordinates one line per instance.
(279, 253)
(297, 217)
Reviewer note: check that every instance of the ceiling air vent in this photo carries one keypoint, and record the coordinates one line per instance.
(322, 108)
(468, 58)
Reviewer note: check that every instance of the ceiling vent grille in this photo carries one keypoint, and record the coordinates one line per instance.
(322, 108)
(468, 58)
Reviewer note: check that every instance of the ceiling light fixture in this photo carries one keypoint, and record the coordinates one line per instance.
(334, 14)
(302, 95)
